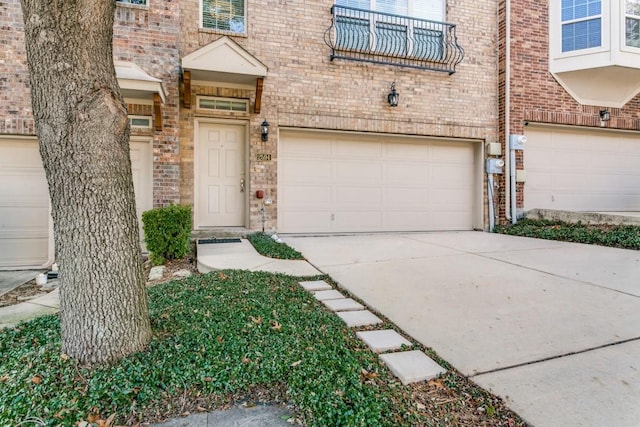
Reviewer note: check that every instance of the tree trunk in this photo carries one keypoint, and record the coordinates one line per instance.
(83, 130)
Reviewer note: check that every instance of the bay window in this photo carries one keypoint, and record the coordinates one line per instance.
(581, 24)
(632, 23)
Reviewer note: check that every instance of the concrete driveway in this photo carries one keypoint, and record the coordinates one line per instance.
(552, 327)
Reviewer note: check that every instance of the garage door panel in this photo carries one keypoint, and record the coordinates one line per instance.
(307, 171)
(365, 197)
(377, 184)
(402, 197)
(455, 154)
(313, 197)
(410, 153)
(350, 172)
(307, 221)
(448, 220)
(361, 149)
(305, 146)
(407, 220)
(451, 176)
(582, 170)
(406, 174)
(358, 220)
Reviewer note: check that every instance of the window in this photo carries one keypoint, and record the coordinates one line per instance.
(223, 104)
(140, 122)
(224, 15)
(581, 24)
(403, 28)
(140, 2)
(632, 23)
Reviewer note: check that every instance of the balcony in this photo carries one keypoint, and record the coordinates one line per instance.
(382, 38)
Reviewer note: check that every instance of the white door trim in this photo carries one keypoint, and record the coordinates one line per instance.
(196, 151)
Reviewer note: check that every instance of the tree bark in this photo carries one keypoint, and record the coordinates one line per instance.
(83, 131)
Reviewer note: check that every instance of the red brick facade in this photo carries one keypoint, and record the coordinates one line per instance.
(535, 95)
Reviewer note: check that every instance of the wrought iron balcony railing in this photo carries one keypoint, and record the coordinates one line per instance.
(369, 36)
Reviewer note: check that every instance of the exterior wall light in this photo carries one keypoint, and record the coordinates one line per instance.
(264, 130)
(393, 96)
(605, 115)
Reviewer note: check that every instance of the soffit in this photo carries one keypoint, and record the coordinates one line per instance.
(224, 61)
(135, 83)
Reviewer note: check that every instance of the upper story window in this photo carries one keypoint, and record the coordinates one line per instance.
(581, 24)
(384, 26)
(410, 33)
(424, 9)
(632, 23)
(224, 15)
(140, 2)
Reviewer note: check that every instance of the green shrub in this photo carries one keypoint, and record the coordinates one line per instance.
(166, 232)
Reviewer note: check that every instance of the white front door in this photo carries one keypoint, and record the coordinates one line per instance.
(142, 173)
(221, 175)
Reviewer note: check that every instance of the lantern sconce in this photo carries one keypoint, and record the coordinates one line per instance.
(264, 130)
(393, 96)
(605, 115)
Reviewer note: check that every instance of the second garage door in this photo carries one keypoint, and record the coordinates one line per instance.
(24, 199)
(582, 169)
(336, 182)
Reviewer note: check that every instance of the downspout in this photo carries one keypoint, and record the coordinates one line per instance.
(507, 113)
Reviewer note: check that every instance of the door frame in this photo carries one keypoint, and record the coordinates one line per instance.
(196, 173)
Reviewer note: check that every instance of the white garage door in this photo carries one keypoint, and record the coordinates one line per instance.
(333, 182)
(24, 205)
(24, 199)
(582, 170)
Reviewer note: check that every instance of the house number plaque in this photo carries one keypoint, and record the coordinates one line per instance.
(263, 157)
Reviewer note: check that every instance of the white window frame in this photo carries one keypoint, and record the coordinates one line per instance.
(624, 15)
(134, 117)
(583, 19)
(217, 30)
(127, 3)
(555, 31)
(200, 98)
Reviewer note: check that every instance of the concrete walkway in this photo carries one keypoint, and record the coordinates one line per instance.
(243, 256)
(552, 327)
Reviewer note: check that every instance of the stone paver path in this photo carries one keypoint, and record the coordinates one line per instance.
(408, 366)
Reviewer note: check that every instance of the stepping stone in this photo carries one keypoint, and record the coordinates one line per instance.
(315, 285)
(354, 319)
(344, 304)
(412, 366)
(381, 341)
(327, 295)
(156, 272)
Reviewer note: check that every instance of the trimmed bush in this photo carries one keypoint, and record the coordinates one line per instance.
(166, 232)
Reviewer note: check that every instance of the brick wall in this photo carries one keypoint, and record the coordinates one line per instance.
(535, 95)
(146, 36)
(15, 102)
(304, 89)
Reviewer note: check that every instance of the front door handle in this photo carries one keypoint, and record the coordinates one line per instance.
(242, 185)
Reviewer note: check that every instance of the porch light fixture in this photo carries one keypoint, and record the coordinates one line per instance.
(393, 96)
(605, 115)
(264, 130)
